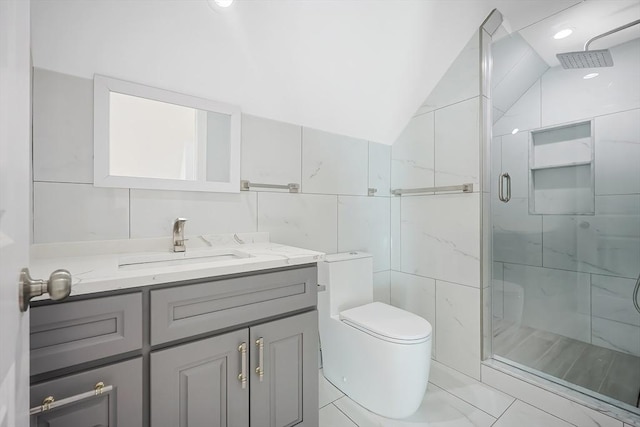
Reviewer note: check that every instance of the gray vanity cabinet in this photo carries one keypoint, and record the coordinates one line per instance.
(201, 383)
(289, 362)
(119, 407)
(197, 384)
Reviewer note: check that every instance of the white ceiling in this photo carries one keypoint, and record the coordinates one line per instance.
(587, 19)
(358, 68)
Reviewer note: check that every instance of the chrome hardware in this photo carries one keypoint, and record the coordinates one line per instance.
(465, 188)
(372, 191)
(178, 235)
(242, 376)
(260, 369)
(58, 287)
(50, 403)
(292, 187)
(636, 290)
(501, 180)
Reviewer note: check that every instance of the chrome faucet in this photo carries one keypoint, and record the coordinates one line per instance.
(178, 235)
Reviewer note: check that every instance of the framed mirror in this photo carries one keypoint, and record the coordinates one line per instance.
(151, 138)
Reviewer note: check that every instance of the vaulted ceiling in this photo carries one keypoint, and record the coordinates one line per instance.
(358, 68)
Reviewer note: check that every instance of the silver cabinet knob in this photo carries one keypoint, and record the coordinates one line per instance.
(58, 287)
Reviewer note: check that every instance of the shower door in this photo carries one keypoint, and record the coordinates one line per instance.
(565, 204)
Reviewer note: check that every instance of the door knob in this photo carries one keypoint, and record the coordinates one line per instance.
(58, 287)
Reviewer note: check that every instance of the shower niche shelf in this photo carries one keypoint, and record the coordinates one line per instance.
(561, 170)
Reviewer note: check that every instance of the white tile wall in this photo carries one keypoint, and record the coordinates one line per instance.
(606, 243)
(460, 82)
(441, 237)
(457, 144)
(271, 151)
(74, 212)
(498, 290)
(617, 153)
(417, 295)
(382, 286)
(358, 216)
(515, 161)
(396, 247)
(516, 67)
(557, 301)
(153, 212)
(304, 220)
(612, 300)
(380, 168)
(523, 115)
(517, 236)
(458, 327)
(567, 97)
(62, 127)
(413, 154)
(616, 336)
(334, 164)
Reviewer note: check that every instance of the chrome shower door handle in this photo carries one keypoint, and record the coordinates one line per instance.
(501, 180)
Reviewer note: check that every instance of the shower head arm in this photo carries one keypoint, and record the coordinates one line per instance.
(615, 30)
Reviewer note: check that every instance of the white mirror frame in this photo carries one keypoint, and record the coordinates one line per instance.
(103, 85)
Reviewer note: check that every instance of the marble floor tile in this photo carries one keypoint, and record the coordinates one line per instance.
(439, 409)
(529, 351)
(523, 415)
(328, 392)
(560, 357)
(330, 416)
(623, 379)
(480, 395)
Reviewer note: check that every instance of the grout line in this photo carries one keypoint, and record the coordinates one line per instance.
(463, 400)
(344, 413)
(564, 269)
(508, 407)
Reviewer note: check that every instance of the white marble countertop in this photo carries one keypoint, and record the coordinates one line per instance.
(98, 266)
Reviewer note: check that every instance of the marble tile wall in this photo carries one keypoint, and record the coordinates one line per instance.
(435, 238)
(602, 249)
(332, 213)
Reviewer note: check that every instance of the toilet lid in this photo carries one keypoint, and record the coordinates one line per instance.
(388, 322)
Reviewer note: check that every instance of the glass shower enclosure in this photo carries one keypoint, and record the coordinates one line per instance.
(565, 203)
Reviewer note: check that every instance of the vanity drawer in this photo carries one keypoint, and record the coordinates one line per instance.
(188, 310)
(69, 333)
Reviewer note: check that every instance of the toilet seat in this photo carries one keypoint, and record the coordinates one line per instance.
(388, 323)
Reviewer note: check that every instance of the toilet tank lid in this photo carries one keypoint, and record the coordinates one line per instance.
(346, 256)
(388, 321)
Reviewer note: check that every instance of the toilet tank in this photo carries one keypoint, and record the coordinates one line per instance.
(349, 280)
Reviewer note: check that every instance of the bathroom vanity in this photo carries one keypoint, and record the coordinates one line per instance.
(237, 348)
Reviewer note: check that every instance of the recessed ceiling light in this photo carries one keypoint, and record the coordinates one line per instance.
(591, 75)
(222, 3)
(516, 130)
(563, 34)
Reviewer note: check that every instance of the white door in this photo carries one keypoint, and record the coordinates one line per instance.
(15, 171)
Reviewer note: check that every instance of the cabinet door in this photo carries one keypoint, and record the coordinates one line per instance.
(122, 406)
(197, 384)
(287, 394)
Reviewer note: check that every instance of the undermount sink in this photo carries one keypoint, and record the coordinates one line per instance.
(167, 259)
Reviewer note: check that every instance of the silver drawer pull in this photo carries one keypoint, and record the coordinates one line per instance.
(242, 376)
(50, 403)
(260, 368)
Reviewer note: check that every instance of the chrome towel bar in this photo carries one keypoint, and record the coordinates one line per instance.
(465, 188)
(292, 187)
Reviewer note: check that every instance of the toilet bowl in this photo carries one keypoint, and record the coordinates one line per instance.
(376, 354)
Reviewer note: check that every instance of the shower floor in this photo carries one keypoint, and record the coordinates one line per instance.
(599, 369)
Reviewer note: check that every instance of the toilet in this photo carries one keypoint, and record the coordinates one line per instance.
(376, 354)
